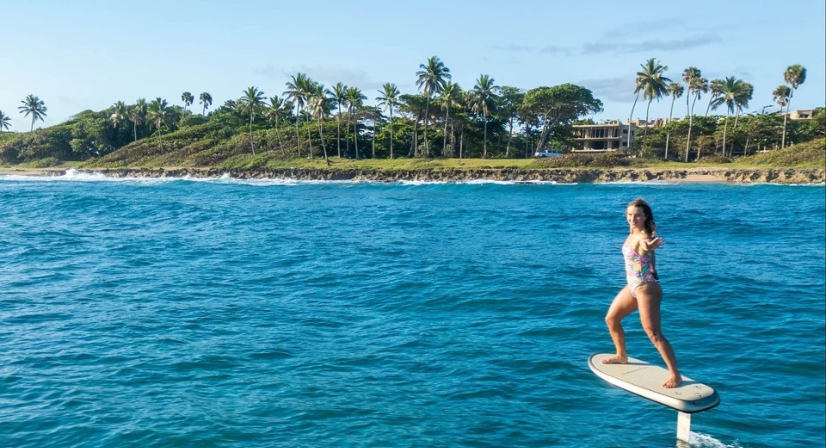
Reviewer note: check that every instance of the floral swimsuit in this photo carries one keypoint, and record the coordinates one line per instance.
(638, 269)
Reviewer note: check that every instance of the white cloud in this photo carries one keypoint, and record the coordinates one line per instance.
(617, 88)
(327, 75)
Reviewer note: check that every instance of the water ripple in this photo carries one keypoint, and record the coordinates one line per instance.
(227, 313)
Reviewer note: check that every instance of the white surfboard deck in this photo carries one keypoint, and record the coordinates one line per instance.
(646, 380)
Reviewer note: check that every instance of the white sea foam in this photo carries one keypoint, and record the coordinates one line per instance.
(514, 182)
(698, 440)
(484, 181)
(96, 176)
(478, 182)
(421, 182)
(73, 174)
(70, 175)
(265, 182)
(224, 178)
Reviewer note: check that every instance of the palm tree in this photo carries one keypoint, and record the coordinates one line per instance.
(252, 102)
(119, 114)
(355, 100)
(157, 114)
(703, 141)
(781, 95)
(33, 106)
(697, 85)
(731, 88)
(676, 90)
(389, 98)
(511, 98)
(413, 105)
(741, 100)
(374, 115)
(339, 97)
(794, 76)
(654, 86)
(689, 75)
(308, 88)
(319, 104)
(715, 88)
(297, 91)
(484, 93)
(450, 95)
(272, 113)
(5, 121)
(432, 77)
(206, 100)
(466, 103)
(637, 89)
(187, 98)
(137, 115)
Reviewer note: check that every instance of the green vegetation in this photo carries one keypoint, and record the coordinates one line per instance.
(440, 127)
(744, 135)
(804, 155)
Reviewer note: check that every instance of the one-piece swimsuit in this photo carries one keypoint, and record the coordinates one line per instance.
(638, 269)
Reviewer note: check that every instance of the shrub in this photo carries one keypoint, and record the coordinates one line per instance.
(45, 162)
(713, 159)
(594, 160)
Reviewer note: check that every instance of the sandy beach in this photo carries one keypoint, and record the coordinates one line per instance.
(698, 178)
(4, 171)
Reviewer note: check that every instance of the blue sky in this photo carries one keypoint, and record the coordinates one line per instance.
(84, 54)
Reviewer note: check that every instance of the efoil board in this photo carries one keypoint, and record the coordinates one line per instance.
(646, 380)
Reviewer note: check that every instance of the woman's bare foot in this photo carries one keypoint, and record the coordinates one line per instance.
(616, 359)
(673, 382)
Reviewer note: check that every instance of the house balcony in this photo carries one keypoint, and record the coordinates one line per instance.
(598, 138)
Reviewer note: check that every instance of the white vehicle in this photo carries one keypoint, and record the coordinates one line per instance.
(547, 153)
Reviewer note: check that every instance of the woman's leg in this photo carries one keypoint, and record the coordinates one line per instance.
(624, 303)
(649, 297)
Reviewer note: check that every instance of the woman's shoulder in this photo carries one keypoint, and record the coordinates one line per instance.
(635, 238)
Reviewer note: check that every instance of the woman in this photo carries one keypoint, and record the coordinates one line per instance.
(643, 292)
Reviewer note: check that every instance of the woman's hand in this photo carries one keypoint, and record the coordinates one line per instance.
(653, 243)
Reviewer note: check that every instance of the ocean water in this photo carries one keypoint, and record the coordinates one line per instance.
(183, 313)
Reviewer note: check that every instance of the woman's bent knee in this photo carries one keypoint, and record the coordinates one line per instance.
(655, 335)
(611, 320)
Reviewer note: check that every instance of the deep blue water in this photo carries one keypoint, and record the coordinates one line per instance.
(258, 314)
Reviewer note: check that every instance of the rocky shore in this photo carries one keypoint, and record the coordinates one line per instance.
(575, 175)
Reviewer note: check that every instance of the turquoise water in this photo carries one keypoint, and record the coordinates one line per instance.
(256, 314)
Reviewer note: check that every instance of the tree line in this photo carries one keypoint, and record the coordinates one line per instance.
(440, 120)
(731, 93)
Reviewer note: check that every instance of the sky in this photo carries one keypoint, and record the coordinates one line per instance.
(86, 54)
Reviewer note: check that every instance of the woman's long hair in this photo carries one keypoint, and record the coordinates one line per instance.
(649, 224)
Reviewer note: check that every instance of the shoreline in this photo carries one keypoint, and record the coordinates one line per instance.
(558, 175)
